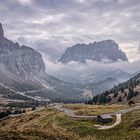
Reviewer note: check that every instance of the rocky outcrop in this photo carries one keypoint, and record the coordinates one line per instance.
(19, 60)
(97, 51)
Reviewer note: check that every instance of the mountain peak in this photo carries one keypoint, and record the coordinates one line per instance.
(97, 51)
(1, 31)
(25, 60)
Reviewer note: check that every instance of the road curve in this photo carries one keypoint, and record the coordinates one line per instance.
(71, 113)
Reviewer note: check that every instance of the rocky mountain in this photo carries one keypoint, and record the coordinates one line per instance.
(97, 51)
(22, 70)
(19, 60)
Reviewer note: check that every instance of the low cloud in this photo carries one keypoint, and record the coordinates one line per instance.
(139, 48)
(75, 71)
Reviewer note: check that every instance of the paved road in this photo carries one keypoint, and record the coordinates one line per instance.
(71, 113)
(118, 114)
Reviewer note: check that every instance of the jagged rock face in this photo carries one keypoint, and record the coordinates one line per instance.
(97, 51)
(1, 31)
(19, 60)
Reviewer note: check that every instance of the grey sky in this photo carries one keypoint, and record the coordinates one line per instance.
(58, 24)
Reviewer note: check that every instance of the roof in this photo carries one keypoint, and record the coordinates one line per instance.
(106, 116)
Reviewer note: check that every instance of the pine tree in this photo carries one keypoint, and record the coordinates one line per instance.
(120, 99)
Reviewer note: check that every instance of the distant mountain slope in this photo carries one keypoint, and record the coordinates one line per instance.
(117, 74)
(101, 81)
(124, 92)
(97, 51)
(102, 86)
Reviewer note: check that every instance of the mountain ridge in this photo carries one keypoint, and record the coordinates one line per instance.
(97, 51)
(19, 60)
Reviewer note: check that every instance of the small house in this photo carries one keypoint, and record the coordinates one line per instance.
(104, 118)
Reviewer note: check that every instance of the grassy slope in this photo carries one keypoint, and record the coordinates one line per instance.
(51, 125)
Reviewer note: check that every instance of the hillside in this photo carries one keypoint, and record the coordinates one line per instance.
(102, 86)
(124, 92)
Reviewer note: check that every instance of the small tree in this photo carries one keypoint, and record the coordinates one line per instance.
(131, 94)
(122, 90)
(33, 108)
(23, 111)
(125, 94)
(115, 94)
(120, 99)
(136, 93)
(131, 102)
(95, 99)
(109, 99)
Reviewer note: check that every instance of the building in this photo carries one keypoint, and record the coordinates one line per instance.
(104, 118)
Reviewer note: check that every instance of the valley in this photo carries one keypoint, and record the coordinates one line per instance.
(69, 70)
(50, 123)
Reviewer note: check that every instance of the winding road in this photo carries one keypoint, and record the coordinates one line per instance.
(71, 113)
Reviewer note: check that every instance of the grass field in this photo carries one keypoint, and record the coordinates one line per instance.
(82, 109)
(50, 124)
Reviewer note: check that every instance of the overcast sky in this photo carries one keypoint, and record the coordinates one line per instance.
(57, 24)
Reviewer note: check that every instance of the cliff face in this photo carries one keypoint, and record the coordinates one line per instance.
(97, 51)
(19, 60)
(1, 31)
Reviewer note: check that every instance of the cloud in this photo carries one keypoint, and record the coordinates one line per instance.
(139, 48)
(25, 2)
(73, 21)
(75, 71)
(51, 26)
(45, 47)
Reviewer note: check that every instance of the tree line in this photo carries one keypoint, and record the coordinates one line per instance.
(7, 112)
(106, 98)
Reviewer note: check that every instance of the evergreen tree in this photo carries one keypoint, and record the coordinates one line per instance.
(115, 94)
(120, 99)
(130, 94)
